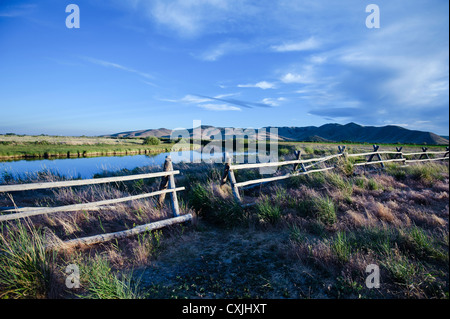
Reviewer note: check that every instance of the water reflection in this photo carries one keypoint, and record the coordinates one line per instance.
(86, 167)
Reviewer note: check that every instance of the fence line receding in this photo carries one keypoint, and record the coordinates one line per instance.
(299, 167)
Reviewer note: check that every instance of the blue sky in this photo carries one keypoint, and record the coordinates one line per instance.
(143, 64)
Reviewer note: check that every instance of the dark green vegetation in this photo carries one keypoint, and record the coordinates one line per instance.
(151, 140)
(307, 237)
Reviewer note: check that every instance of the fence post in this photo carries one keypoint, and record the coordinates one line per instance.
(224, 178)
(228, 174)
(164, 183)
(375, 149)
(342, 151)
(400, 154)
(447, 150)
(298, 155)
(424, 149)
(169, 181)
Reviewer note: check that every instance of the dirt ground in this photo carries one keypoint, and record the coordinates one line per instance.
(219, 263)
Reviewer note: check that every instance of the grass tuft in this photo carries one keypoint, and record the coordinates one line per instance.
(341, 246)
(268, 211)
(25, 266)
(102, 283)
(220, 209)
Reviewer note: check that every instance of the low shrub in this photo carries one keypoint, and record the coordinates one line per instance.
(151, 140)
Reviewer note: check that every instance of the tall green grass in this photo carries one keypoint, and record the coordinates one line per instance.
(321, 208)
(342, 247)
(220, 211)
(26, 267)
(426, 173)
(268, 211)
(101, 282)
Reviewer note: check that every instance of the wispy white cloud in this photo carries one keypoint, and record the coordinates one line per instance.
(218, 107)
(295, 78)
(189, 17)
(305, 45)
(216, 52)
(318, 59)
(150, 83)
(216, 103)
(273, 101)
(221, 96)
(117, 66)
(406, 66)
(189, 99)
(17, 10)
(206, 102)
(226, 47)
(301, 73)
(194, 99)
(261, 85)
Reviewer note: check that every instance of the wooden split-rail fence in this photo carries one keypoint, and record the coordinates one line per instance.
(308, 166)
(167, 186)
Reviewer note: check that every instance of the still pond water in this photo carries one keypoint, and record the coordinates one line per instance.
(88, 166)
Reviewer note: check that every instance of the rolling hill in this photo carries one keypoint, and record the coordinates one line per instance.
(326, 133)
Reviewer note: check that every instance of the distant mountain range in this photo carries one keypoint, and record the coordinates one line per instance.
(326, 133)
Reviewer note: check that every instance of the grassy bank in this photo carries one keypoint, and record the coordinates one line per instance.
(14, 146)
(308, 237)
(46, 151)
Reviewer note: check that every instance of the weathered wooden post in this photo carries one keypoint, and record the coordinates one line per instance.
(375, 149)
(169, 181)
(399, 154)
(228, 175)
(425, 155)
(224, 178)
(342, 151)
(447, 151)
(298, 155)
(164, 183)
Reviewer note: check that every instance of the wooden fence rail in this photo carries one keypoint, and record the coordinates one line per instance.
(167, 186)
(300, 168)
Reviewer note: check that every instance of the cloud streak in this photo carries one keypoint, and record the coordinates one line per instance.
(118, 67)
(219, 107)
(236, 102)
(227, 104)
(305, 45)
(17, 10)
(261, 85)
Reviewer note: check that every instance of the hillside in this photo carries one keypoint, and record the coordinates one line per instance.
(326, 133)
